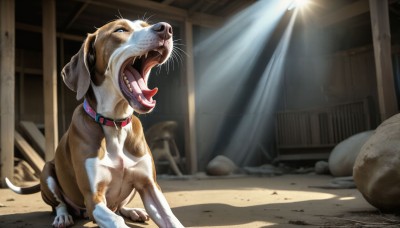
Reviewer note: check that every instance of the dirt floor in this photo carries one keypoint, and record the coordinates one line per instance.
(282, 201)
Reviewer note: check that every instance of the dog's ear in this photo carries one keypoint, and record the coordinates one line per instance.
(77, 73)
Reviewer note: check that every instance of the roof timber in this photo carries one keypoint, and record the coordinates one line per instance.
(38, 29)
(76, 14)
(167, 2)
(175, 13)
(345, 13)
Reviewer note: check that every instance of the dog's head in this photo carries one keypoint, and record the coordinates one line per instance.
(121, 55)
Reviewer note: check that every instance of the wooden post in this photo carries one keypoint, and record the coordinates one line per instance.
(7, 74)
(190, 118)
(383, 60)
(50, 77)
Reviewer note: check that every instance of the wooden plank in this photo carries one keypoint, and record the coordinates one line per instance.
(167, 2)
(190, 118)
(75, 15)
(50, 77)
(31, 156)
(201, 19)
(383, 60)
(344, 13)
(34, 134)
(7, 87)
(38, 29)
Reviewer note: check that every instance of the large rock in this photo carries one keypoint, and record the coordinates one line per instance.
(377, 167)
(342, 158)
(220, 166)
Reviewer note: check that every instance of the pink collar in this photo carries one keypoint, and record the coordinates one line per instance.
(104, 120)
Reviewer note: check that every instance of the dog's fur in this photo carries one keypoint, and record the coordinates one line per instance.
(97, 169)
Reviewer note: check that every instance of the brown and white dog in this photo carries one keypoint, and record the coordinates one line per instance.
(103, 158)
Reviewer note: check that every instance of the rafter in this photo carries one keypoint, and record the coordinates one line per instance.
(344, 13)
(176, 13)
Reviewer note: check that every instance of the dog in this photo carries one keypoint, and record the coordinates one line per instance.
(103, 159)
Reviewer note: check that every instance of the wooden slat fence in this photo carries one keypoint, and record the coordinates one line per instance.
(320, 127)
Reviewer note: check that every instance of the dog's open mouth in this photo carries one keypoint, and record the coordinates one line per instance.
(134, 76)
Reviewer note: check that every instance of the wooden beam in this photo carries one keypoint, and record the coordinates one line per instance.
(383, 60)
(234, 6)
(75, 16)
(50, 77)
(29, 153)
(36, 137)
(167, 2)
(38, 29)
(7, 87)
(179, 14)
(344, 13)
(206, 20)
(190, 117)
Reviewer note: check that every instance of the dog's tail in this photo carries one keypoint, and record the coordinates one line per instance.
(23, 191)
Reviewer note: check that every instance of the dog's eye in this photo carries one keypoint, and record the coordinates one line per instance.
(120, 30)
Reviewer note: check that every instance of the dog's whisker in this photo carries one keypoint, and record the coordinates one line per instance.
(147, 19)
(177, 60)
(178, 49)
(177, 40)
(176, 55)
(119, 16)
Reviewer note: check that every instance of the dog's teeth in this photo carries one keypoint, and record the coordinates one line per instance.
(145, 55)
(133, 61)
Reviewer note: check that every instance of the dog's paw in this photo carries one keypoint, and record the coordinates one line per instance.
(63, 221)
(135, 214)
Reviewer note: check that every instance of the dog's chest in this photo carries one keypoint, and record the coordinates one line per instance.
(116, 157)
(115, 168)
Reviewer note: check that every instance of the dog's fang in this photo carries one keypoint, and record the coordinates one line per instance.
(159, 51)
(133, 60)
(145, 55)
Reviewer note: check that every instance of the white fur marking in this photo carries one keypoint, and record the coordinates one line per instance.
(51, 183)
(12, 186)
(106, 218)
(62, 219)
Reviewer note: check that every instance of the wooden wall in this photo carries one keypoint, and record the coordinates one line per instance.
(340, 77)
(344, 76)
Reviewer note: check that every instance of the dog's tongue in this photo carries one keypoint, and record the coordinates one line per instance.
(138, 84)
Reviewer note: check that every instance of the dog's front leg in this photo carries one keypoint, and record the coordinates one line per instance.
(95, 199)
(154, 201)
(157, 206)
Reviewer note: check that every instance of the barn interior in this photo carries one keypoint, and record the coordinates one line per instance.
(258, 82)
(329, 75)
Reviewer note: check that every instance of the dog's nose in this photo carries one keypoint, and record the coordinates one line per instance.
(164, 30)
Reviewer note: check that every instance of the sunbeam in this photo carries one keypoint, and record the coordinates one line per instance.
(230, 58)
(259, 117)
